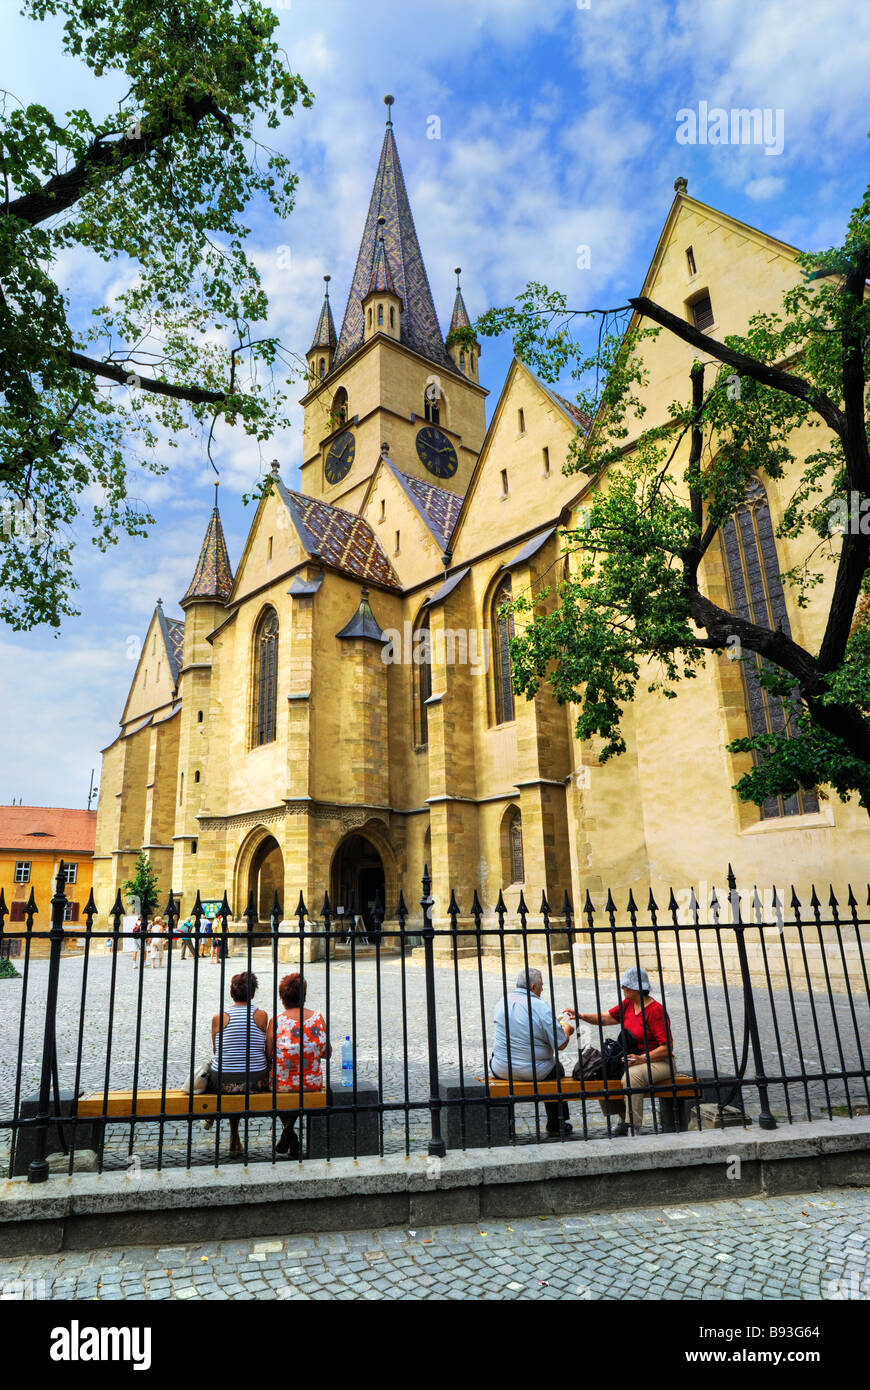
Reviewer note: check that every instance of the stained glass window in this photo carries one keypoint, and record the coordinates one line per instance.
(757, 595)
(266, 678)
(423, 644)
(502, 632)
(515, 832)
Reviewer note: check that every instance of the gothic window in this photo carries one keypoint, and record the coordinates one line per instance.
(502, 630)
(462, 361)
(431, 410)
(422, 650)
(392, 317)
(322, 368)
(265, 678)
(339, 408)
(757, 595)
(380, 314)
(512, 865)
(370, 318)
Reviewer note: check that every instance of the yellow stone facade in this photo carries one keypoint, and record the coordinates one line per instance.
(359, 784)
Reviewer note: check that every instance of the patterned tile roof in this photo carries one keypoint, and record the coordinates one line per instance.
(324, 333)
(175, 627)
(420, 329)
(213, 576)
(460, 317)
(340, 539)
(438, 507)
(569, 407)
(382, 279)
(52, 828)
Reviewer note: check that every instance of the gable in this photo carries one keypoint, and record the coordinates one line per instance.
(273, 546)
(525, 448)
(156, 674)
(395, 503)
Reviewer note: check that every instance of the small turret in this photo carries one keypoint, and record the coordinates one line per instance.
(322, 349)
(465, 357)
(382, 305)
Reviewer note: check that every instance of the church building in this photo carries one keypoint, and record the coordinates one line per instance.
(337, 711)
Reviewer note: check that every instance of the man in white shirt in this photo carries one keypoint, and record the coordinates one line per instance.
(528, 1029)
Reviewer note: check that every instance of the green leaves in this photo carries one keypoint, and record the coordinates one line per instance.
(631, 606)
(157, 188)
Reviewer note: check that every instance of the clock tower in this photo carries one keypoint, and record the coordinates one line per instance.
(389, 378)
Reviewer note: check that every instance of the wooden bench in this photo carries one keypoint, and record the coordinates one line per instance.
(676, 1097)
(175, 1101)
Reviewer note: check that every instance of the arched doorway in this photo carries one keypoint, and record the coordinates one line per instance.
(358, 879)
(266, 877)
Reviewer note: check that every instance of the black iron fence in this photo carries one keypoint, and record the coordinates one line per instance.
(436, 1039)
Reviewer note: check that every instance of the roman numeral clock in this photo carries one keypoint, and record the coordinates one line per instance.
(436, 452)
(339, 457)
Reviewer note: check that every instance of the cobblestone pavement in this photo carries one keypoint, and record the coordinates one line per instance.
(815, 1246)
(816, 1032)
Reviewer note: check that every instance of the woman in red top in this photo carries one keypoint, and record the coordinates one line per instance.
(651, 1059)
(296, 1041)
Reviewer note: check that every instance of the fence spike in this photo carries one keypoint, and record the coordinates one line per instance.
(814, 900)
(544, 909)
(673, 905)
(90, 911)
(632, 905)
(756, 905)
(610, 907)
(732, 881)
(794, 901)
(4, 910)
(693, 906)
(453, 908)
(588, 907)
(852, 900)
(301, 909)
(832, 897)
(501, 905)
(30, 911)
(522, 910)
(401, 909)
(652, 905)
(567, 909)
(117, 906)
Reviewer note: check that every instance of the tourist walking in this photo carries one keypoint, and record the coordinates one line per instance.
(185, 933)
(157, 943)
(523, 1022)
(649, 1029)
(140, 942)
(206, 933)
(296, 1042)
(239, 1063)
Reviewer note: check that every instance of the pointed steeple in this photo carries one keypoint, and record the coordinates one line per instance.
(460, 317)
(382, 280)
(213, 576)
(403, 259)
(465, 358)
(324, 333)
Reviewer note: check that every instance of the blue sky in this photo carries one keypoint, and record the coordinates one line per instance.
(557, 129)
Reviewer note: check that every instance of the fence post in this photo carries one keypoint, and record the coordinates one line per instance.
(38, 1169)
(437, 1146)
(765, 1119)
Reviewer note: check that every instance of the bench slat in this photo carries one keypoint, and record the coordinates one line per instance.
(181, 1102)
(686, 1088)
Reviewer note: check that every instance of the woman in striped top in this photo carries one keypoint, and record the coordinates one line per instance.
(239, 1038)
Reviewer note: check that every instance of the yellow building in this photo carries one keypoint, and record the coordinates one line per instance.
(285, 737)
(33, 842)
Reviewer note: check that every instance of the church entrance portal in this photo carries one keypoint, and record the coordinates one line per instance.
(358, 879)
(266, 877)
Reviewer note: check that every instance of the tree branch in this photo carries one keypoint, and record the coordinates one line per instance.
(62, 191)
(745, 365)
(197, 395)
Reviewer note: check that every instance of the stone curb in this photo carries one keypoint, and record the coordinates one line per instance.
(110, 1208)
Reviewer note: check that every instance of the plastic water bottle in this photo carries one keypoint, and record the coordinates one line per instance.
(347, 1061)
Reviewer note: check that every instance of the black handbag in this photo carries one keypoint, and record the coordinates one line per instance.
(588, 1066)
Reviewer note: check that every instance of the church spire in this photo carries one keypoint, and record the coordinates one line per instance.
(464, 357)
(322, 349)
(213, 576)
(403, 259)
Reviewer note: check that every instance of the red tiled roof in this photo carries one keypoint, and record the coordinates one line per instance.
(53, 829)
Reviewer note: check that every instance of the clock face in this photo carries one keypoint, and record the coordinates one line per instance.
(340, 457)
(437, 452)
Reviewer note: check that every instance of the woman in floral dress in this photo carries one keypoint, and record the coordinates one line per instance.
(284, 1052)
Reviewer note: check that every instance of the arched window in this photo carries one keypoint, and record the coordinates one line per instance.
(339, 408)
(462, 361)
(502, 630)
(749, 548)
(370, 318)
(432, 410)
(392, 317)
(512, 866)
(422, 653)
(380, 314)
(265, 678)
(322, 368)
